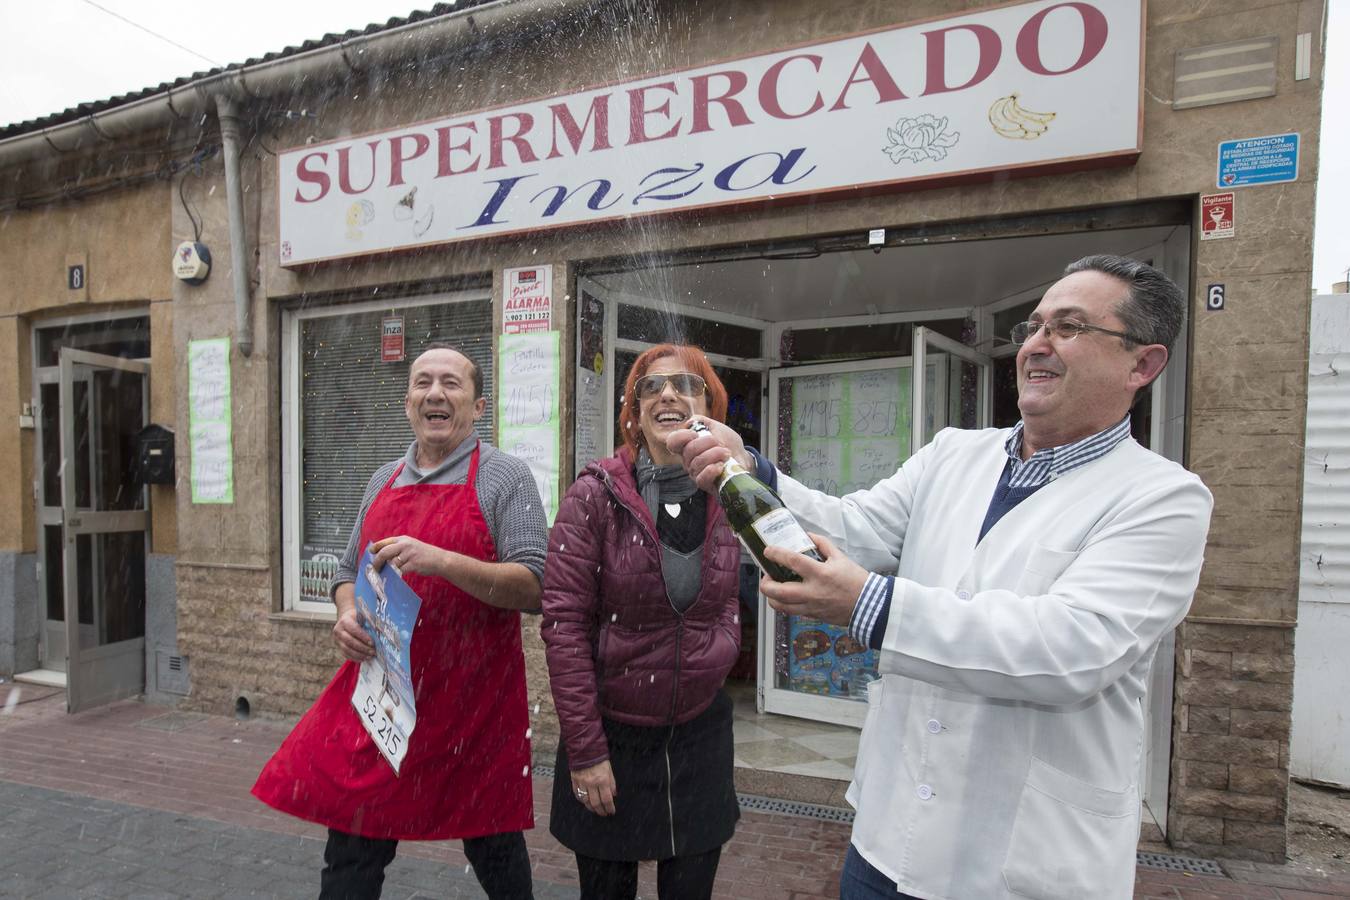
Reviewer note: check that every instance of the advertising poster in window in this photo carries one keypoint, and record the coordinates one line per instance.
(590, 400)
(528, 301)
(318, 568)
(391, 339)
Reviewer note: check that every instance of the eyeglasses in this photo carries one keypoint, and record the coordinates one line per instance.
(686, 384)
(1065, 330)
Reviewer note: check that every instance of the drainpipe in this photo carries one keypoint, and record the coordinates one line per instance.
(234, 195)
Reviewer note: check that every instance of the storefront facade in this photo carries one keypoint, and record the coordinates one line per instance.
(847, 207)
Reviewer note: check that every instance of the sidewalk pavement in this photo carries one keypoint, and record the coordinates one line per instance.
(140, 801)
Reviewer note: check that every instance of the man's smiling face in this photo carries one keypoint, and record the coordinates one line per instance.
(1069, 389)
(440, 402)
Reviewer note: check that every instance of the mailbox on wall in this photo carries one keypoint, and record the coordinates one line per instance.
(154, 455)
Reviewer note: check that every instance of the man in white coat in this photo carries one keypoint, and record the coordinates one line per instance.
(1017, 583)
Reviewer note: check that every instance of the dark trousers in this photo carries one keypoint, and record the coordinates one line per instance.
(354, 866)
(677, 878)
(861, 880)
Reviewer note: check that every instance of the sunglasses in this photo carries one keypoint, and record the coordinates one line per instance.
(686, 384)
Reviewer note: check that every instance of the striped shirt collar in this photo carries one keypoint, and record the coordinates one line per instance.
(1049, 463)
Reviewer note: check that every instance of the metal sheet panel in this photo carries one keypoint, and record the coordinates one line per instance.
(1325, 563)
(1320, 745)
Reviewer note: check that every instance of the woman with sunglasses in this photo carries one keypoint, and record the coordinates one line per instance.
(641, 627)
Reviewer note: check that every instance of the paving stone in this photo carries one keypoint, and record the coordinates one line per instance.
(59, 892)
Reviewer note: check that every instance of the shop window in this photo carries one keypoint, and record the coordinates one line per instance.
(347, 419)
(662, 326)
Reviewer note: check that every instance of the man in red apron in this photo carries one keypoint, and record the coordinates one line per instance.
(463, 523)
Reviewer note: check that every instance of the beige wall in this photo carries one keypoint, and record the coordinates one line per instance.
(121, 238)
(17, 526)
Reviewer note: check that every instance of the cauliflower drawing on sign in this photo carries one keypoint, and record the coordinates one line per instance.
(922, 138)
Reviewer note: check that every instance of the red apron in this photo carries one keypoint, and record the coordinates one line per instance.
(466, 773)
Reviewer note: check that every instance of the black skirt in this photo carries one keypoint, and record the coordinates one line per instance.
(676, 791)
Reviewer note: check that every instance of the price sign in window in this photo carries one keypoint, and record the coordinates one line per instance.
(840, 430)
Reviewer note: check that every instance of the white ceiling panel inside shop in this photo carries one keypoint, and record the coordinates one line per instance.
(863, 282)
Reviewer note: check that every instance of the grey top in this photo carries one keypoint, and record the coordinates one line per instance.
(683, 573)
(507, 496)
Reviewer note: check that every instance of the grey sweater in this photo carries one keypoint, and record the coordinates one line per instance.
(507, 496)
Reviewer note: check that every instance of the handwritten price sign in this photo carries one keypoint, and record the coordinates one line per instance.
(210, 430)
(528, 424)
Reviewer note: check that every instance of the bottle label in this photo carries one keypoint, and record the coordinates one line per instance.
(780, 529)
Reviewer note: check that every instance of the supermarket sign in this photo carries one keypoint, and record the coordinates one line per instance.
(1028, 87)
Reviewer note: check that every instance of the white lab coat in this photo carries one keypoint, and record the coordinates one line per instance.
(1002, 746)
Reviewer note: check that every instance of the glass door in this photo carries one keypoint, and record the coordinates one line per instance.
(840, 427)
(104, 521)
(956, 390)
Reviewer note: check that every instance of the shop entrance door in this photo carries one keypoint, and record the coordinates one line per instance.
(837, 427)
(842, 427)
(104, 520)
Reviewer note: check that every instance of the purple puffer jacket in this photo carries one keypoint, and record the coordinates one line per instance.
(616, 647)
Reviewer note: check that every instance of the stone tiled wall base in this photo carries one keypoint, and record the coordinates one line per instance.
(1230, 759)
(238, 650)
(543, 715)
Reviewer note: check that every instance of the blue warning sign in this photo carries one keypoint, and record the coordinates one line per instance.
(1272, 159)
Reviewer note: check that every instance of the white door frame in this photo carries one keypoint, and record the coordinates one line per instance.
(51, 634)
(105, 671)
(923, 337)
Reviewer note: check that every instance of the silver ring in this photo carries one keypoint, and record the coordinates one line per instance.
(581, 794)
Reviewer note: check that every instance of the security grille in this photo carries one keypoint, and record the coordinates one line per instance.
(351, 404)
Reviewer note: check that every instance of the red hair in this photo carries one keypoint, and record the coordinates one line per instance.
(694, 362)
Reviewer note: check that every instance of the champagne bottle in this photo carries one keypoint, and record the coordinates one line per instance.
(758, 517)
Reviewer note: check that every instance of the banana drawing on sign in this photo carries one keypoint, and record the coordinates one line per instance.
(1013, 121)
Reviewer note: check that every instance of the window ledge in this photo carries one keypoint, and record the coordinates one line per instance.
(303, 617)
